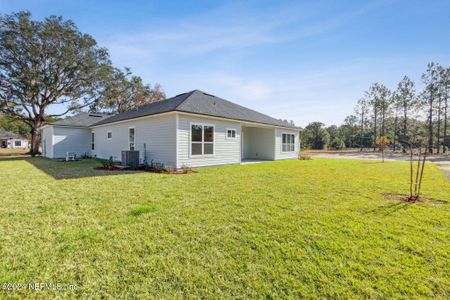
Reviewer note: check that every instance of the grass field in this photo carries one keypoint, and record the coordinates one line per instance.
(287, 229)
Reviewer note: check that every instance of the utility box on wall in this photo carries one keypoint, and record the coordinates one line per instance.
(130, 158)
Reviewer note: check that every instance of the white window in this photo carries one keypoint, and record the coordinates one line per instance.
(202, 139)
(132, 138)
(93, 141)
(109, 135)
(17, 143)
(231, 134)
(288, 143)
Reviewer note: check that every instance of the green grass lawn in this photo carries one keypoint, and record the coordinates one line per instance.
(287, 229)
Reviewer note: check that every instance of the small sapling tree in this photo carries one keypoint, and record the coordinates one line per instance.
(382, 143)
(417, 147)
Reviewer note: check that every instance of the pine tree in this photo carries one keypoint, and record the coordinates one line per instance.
(429, 96)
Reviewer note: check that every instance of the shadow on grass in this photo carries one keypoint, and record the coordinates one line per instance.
(67, 170)
(389, 208)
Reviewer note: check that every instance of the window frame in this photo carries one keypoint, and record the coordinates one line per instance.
(288, 144)
(202, 142)
(134, 138)
(109, 132)
(235, 134)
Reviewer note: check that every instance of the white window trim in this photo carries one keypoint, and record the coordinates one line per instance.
(231, 138)
(202, 142)
(107, 135)
(134, 141)
(295, 141)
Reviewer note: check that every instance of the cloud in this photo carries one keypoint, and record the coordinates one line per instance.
(327, 94)
(227, 30)
(208, 51)
(249, 89)
(194, 39)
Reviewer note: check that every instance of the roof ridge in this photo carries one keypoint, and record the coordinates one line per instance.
(197, 102)
(244, 107)
(157, 102)
(190, 94)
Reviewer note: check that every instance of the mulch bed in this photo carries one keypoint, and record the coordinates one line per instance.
(405, 198)
(143, 170)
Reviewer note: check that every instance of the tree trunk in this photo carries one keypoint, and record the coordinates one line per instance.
(439, 126)
(418, 170)
(36, 137)
(361, 132)
(395, 131)
(421, 173)
(405, 124)
(445, 123)
(410, 171)
(430, 126)
(375, 131)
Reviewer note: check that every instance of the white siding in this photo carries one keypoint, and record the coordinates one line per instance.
(278, 140)
(12, 144)
(68, 139)
(47, 141)
(226, 151)
(258, 143)
(158, 133)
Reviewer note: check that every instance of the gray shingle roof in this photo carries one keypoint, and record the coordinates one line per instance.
(10, 135)
(149, 109)
(198, 102)
(81, 120)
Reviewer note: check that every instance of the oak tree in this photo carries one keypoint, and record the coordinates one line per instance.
(47, 63)
(125, 91)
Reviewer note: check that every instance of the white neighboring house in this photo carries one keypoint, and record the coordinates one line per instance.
(194, 128)
(12, 140)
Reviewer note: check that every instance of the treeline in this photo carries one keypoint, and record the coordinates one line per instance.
(397, 114)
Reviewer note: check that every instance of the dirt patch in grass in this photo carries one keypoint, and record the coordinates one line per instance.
(305, 157)
(405, 198)
(13, 152)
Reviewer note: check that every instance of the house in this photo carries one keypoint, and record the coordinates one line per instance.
(194, 128)
(12, 140)
(72, 134)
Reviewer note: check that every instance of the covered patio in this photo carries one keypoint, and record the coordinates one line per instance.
(257, 144)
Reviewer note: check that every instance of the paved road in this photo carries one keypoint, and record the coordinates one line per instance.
(445, 167)
(443, 163)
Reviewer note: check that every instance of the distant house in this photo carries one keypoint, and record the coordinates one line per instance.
(194, 128)
(12, 140)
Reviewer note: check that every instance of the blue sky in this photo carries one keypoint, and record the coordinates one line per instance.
(300, 60)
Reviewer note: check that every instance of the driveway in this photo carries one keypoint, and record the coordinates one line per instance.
(443, 163)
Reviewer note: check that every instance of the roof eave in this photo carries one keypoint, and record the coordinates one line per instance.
(238, 120)
(193, 113)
